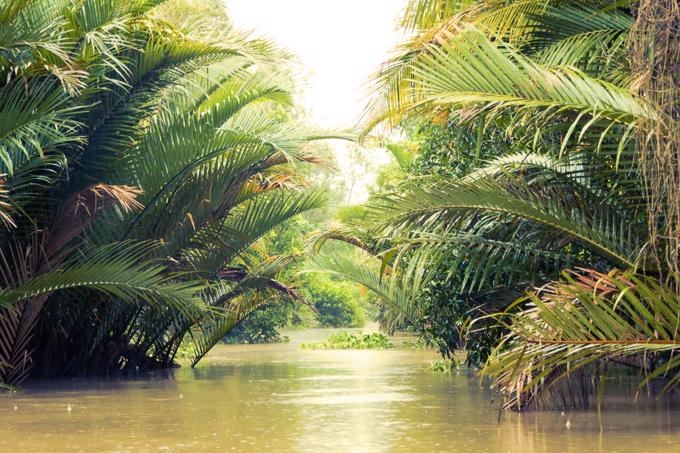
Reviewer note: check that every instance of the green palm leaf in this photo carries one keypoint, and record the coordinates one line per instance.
(439, 203)
(468, 71)
(397, 293)
(234, 303)
(217, 245)
(117, 271)
(589, 316)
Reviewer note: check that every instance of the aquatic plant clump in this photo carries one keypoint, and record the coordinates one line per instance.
(358, 340)
(444, 366)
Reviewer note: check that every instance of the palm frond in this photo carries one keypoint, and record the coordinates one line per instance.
(237, 302)
(438, 204)
(397, 293)
(587, 317)
(34, 121)
(425, 14)
(217, 245)
(115, 270)
(469, 73)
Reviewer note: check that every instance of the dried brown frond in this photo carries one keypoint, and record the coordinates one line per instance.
(5, 206)
(655, 57)
(78, 211)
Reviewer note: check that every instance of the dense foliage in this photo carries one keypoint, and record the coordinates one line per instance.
(537, 169)
(142, 162)
(336, 301)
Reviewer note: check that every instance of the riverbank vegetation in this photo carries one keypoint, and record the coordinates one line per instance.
(536, 223)
(333, 301)
(146, 149)
(157, 183)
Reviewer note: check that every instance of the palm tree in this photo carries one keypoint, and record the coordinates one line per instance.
(571, 193)
(141, 166)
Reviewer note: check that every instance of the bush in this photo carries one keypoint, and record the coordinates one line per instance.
(338, 302)
(262, 326)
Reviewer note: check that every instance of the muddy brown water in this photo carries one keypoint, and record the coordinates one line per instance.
(282, 398)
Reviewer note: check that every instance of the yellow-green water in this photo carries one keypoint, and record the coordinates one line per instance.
(281, 398)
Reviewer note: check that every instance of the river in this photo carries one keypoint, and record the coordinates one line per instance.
(282, 398)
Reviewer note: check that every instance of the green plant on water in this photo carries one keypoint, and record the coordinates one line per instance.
(358, 340)
(444, 365)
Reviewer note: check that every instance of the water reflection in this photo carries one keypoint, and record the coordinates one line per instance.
(280, 398)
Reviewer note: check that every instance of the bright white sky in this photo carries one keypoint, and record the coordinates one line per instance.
(341, 44)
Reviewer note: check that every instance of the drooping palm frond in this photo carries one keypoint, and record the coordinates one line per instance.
(585, 35)
(592, 39)
(113, 269)
(591, 175)
(393, 88)
(231, 304)
(469, 73)
(480, 261)
(587, 317)
(397, 293)
(440, 203)
(525, 21)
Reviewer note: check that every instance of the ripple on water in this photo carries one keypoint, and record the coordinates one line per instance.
(312, 392)
(351, 399)
(341, 377)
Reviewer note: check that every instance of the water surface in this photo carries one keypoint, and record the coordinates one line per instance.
(281, 398)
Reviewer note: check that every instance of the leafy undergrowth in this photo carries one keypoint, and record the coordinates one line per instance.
(346, 340)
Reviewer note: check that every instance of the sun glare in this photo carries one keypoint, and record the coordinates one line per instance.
(339, 45)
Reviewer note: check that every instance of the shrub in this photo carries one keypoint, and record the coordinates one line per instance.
(338, 302)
